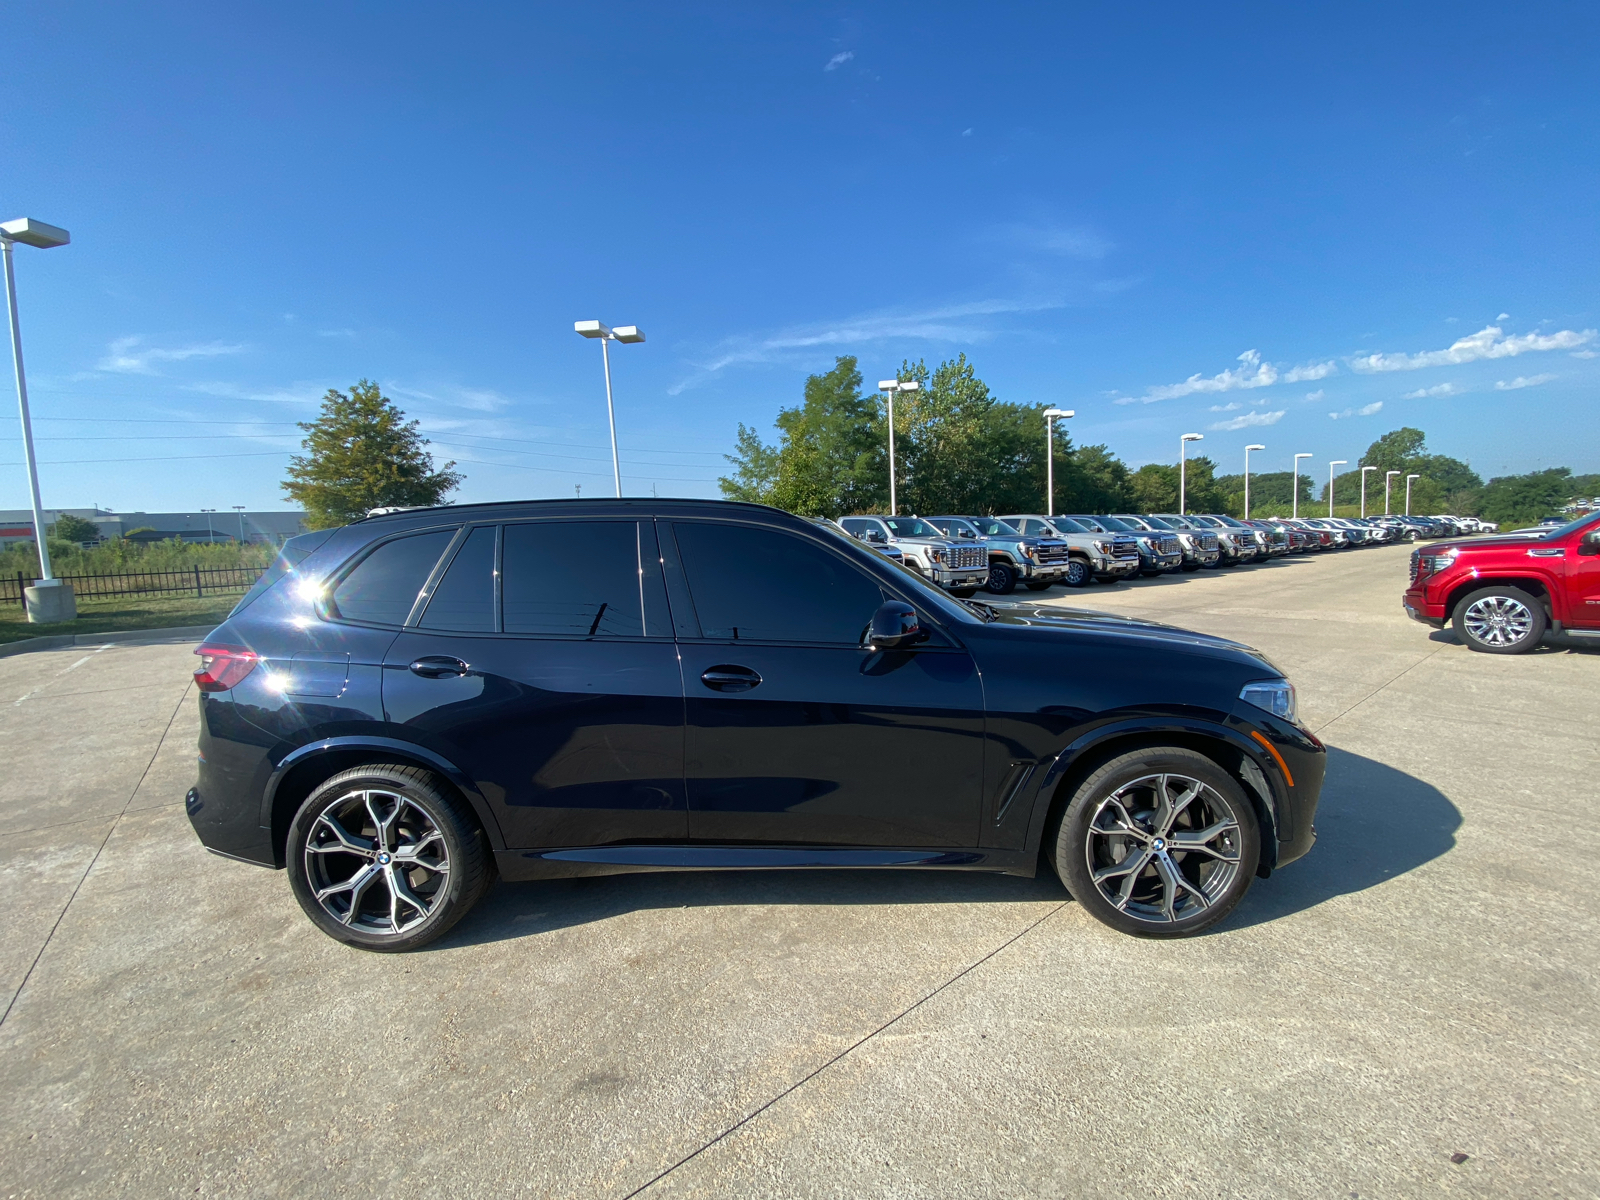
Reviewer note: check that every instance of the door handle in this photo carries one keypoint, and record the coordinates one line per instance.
(727, 678)
(438, 666)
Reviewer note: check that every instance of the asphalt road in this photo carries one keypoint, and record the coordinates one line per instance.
(1421, 986)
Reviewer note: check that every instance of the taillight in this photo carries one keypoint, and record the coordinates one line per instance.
(223, 667)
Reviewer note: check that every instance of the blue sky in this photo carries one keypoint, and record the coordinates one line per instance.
(1298, 225)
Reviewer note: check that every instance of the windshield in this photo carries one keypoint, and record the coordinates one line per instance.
(1166, 523)
(956, 528)
(1104, 524)
(1068, 525)
(1571, 526)
(994, 527)
(1205, 523)
(911, 527)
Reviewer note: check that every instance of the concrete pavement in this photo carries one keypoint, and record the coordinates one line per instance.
(1422, 985)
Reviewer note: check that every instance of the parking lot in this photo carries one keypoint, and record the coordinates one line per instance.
(1422, 985)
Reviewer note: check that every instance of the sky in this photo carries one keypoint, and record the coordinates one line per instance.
(1296, 225)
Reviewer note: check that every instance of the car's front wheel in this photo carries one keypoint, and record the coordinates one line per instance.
(1078, 574)
(384, 858)
(1002, 579)
(1500, 620)
(1159, 842)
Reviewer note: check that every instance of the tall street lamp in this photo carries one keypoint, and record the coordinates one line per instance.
(622, 333)
(239, 508)
(1387, 477)
(1051, 415)
(1183, 468)
(1247, 449)
(1364, 471)
(210, 534)
(889, 387)
(1338, 462)
(1294, 487)
(49, 599)
(1409, 478)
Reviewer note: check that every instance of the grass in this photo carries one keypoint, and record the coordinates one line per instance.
(118, 614)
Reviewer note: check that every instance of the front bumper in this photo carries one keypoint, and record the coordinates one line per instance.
(1116, 568)
(1417, 608)
(946, 578)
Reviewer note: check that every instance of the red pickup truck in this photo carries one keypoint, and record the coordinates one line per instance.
(1502, 593)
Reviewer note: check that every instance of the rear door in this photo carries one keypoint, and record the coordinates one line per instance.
(796, 733)
(543, 665)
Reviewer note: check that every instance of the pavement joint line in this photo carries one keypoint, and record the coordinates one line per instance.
(1376, 690)
(62, 915)
(59, 674)
(848, 1050)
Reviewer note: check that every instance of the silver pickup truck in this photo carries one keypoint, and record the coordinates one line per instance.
(1013, 557)
(961, 569)
(1094, 555)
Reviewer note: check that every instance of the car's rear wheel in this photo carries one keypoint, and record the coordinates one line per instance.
(1078, 574)
(1002, 579)
(383, 857)
(1500, 620)
(1159, 842)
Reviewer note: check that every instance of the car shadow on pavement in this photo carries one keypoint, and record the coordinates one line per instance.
(1554, 643)
(1373, 823)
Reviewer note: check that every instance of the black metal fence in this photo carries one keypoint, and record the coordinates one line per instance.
(192, 581)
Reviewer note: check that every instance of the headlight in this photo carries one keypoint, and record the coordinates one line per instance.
(1187, 540)
(1028, 552)
(1274, 695)
(935, 554)
(1103, 547)
(1433, 563)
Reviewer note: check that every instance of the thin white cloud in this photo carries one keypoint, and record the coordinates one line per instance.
(1230, 406)
(1489, 342)
(1522, 381)
(966, 133)
(1251, 373)
(1068, 241)
(126, 356)
(339, 333)
(1250, 419)
(1503, 317)
(1440, 389)
(959, 323)
(839, 60)
(1365, 411)
(1315, 396)
(1583, 354)
(300, 393)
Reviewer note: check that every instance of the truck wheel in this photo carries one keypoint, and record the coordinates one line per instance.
(1078, 574)
(1500, 620)
(1002, 579)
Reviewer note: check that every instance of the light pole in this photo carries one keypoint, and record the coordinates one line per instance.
(1050, 415)
(56, 602)
(1364, 471)
(1387, 476)
(1338, 462)
(239, 508)
(623, 333)
(1409, 478)
(1294, 487)
(1247, 449)
(209, 533)
(889, 387)
(1183, 468)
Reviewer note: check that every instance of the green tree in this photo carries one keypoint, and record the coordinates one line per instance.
(361, 453)
(1271, 493)
(1516, 501)
(1446, 484)
(69, 528)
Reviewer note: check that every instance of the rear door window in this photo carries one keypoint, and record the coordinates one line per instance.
(463, 601)
(582, 579)
(384, 586)
(754, 584)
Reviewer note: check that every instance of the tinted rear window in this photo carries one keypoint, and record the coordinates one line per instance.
(384, 585)
(574, 579)
(293, 552)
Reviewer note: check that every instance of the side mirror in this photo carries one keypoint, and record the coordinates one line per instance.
(895, 627)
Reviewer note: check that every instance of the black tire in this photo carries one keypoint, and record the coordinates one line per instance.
(964, 593)
(1079, 574)
(1039, 585)
(1500, 620)
(355, 826)
(1146, 903)
(1002, 579)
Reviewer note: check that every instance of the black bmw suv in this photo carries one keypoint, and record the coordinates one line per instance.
(408, 706)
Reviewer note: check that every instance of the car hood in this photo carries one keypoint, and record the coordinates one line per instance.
(1052, 619)
(1473, 543)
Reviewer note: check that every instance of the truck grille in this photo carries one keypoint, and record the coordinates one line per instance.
(1208, 541)
(968, 558)
(1052, 552)
(1167, 545)
(1416, 564)
(1124, 547)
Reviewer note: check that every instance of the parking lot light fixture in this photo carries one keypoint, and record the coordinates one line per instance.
(1387, 477)
(1338, 462)
(1294, 487)
(1051, 415)
(1247, 449)
(627, 334)
(1364, 471)
(239, 508)
(210, 533)
(889, 387)
(1409, 478)
(43, 237)
(1183, 468)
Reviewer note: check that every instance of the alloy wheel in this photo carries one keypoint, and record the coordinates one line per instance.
(1498, 620)
(1163, 848)
(377, 862)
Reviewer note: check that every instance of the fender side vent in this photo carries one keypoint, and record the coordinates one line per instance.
(1017, 776)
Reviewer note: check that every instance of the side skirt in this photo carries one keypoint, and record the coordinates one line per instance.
(617, 860)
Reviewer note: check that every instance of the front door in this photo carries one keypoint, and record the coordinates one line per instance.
(1583, 584)
(796, 734)
(552, 681)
